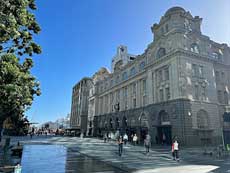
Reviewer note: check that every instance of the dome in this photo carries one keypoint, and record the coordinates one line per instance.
(174, 10)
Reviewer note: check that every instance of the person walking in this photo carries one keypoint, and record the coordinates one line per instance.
(135, 138)
(105, 138)
(175, 150)
(125, 138)
(120, 145)
(147, 143)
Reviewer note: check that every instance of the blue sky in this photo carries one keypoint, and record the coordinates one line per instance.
(80, 36)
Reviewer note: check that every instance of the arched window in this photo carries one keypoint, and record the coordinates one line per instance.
(161, 52)
(142, 66)
(132, 71)
(202, 119)
(195, 48)
(124, 76)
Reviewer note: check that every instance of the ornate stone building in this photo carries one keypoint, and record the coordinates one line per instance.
(178, 87)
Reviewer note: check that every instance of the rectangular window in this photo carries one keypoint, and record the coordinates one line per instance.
(194, 70)
(134, 89)
(144, 87)
(161, 95)
(217, 76)
(134, 103)
(167, 93)
(219, 95)
(166, 73)
(159, 77)
(196, 92)
(118, 95)
(201, 71)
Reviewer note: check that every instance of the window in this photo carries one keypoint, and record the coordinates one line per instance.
(216, 56)
(201, 71)
(160, 77)
(161, 95)
(219, 96)
(203, 93)
(195, 48)
(111, 83)
(117, 79)
(134, 103)
(132, 71)
(217, 73)
(195, 70)
(167, 93)
(225, 97)
(118, 95)
(134, 89)
(142, 66)
(166, 74)
(144, 87)
(124, 76)
(196, 92)
(161, 52)
(125, 95)
(202, 119)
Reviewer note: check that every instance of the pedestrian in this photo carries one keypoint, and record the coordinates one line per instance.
(125, 138)
(163, 139)
(176, 150)
(105, 138)
(147, 143)
(173, 153)
(120, 145)
(135, 138)
(109, 136)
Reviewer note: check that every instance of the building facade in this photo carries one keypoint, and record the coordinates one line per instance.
(79, 106)
(179, 87)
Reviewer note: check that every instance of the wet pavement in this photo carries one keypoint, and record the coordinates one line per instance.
(72, 154)
(60, 159)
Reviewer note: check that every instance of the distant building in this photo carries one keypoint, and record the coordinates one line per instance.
(79, 107)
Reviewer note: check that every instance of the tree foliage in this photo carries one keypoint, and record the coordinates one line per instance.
(17, 86)
(18, 26)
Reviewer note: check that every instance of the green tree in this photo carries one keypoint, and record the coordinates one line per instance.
(18, 87)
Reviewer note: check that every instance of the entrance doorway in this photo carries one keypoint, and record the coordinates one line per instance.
(143, 133)
(164, 135)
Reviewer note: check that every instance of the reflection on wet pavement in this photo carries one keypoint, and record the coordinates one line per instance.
(59, 159)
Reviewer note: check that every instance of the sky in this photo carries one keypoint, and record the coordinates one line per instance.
(80, 36)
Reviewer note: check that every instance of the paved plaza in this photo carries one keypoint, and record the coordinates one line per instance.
(83, 154)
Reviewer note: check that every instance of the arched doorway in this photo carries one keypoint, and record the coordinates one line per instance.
(143, 126)
(117, 123)
(164, 129)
